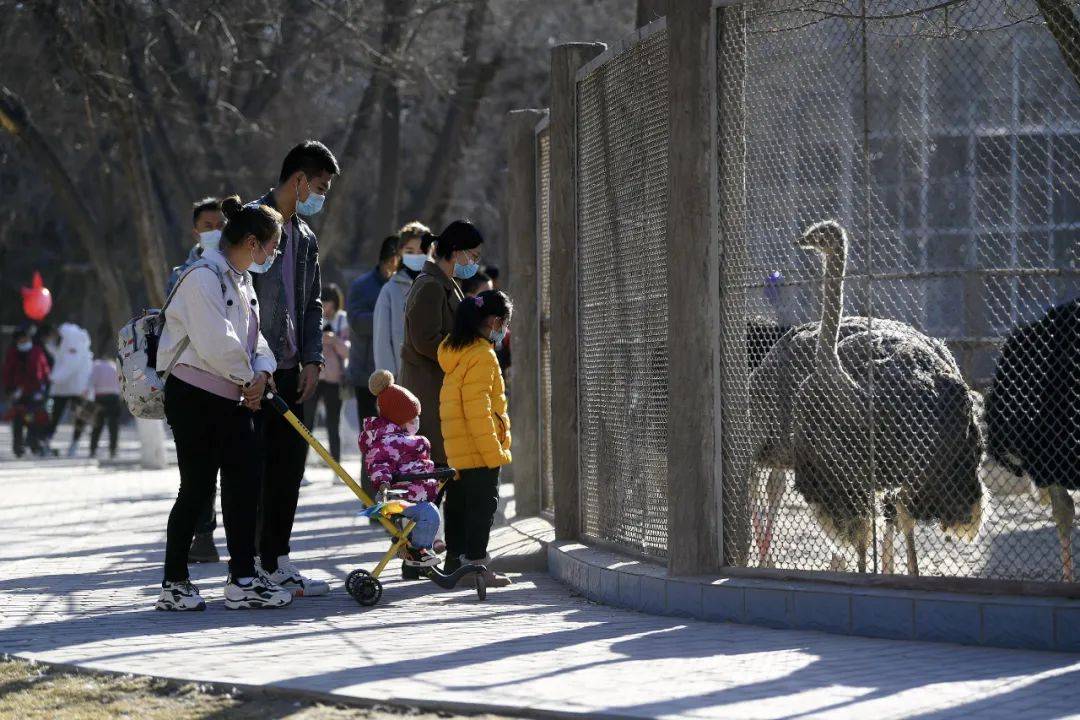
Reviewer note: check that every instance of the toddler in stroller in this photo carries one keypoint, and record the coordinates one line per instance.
(398, 461)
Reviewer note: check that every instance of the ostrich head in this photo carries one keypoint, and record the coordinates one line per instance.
(827, 237)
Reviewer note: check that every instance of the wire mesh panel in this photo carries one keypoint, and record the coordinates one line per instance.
(622, 139)
(543, 234)
(872, 419)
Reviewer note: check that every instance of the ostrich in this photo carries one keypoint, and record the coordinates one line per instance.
(884, 412)
(1033, 413)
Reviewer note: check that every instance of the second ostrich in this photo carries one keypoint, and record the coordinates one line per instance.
(1033, 414)
(884, 412)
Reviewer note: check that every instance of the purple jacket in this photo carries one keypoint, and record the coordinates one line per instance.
(390, 450)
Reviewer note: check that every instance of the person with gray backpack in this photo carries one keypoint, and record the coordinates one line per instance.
(217, 365)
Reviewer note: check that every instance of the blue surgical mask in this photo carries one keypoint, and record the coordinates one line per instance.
(210, 240)
(464, 272)
(24, 346)
(414, 262)
(312, 205)
(259, 268)
(497, 336)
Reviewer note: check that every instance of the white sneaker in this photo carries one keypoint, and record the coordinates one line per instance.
(288, 577)
(180, 595)
(259, 592)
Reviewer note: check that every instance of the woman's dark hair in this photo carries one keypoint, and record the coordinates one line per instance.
(262, 221)
(333, 293)
(468, 287)
(388, 249)
(471, 314)
(310, 157)
(458, 235)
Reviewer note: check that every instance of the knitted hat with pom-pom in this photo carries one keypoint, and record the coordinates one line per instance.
(395, 403)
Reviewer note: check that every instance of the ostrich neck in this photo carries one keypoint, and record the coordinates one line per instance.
(832, 305)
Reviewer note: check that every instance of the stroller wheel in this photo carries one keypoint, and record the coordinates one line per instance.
(352, 579)
(481, 587)
(364, 587)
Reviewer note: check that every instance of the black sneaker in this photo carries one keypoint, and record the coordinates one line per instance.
(203, 549)
(420, 558)
(180, 595)
(259, 592)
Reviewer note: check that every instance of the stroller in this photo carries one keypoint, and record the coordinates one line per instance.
(364, 586)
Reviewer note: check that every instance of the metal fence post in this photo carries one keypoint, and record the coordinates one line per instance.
(521, 284)
(693, 295)
(565, 61)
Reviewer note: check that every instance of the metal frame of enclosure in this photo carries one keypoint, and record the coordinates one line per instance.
(543, 304)
(929, 437)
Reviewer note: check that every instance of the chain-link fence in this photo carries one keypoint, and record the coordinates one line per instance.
(863, 371)
(543, 269)
(622, 140)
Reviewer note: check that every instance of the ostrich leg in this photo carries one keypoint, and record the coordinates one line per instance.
(907, 523)
(888, 542)
(912, 558)
(1063, 511)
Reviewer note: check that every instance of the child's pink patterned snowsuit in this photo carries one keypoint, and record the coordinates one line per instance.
(390, 450)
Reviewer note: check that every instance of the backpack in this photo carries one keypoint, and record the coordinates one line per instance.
(141, 385)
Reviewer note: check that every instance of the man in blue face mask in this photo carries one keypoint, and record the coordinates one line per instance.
(207, 221)
(289, 287)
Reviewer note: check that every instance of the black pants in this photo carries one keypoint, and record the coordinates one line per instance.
(207, 520)
(469, 512)
(211, 432)
(59, 405)
(108, 412)
(330, 395)
(23, 434)
(284, 455)
(365, 408)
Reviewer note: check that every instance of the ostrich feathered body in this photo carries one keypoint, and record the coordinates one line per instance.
(907, 430)
(1033, 407)
(777, 378)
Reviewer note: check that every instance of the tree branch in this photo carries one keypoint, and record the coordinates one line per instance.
(16, 121)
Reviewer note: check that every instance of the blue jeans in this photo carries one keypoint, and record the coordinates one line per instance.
(426, 517)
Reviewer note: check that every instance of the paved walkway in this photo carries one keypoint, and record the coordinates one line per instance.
(81, 551)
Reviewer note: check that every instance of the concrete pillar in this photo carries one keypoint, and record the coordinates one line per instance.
(565, 61)
(151, 443)
(693, 297)
(521, 279)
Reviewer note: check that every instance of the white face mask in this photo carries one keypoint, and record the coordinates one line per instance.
(210, 240)
(25, 347)
(413, 426)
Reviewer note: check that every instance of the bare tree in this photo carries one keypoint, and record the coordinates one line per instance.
(16, 121)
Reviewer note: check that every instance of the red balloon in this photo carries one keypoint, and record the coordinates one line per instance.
(36, 299)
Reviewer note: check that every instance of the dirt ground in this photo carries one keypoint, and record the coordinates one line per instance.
(33, 691)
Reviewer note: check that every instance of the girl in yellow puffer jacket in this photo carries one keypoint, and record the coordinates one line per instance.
(475, 426)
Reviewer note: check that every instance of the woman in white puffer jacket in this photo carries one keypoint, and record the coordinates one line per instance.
(70, 378)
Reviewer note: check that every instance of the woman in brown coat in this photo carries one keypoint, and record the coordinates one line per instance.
(429, 318)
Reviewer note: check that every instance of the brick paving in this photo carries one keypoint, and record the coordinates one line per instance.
(81, 548)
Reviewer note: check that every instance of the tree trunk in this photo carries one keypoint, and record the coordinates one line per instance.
(386, 205)
(1063, 25)
(335, 226)
(80, 220)
(471, 84)
(649, 10)
(332, 240)
(152, 260)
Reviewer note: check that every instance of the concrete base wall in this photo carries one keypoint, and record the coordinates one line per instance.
(1033, 623)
